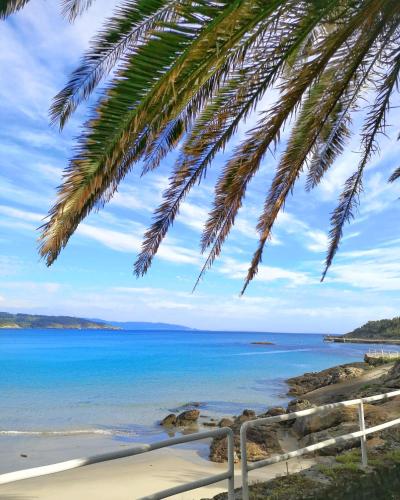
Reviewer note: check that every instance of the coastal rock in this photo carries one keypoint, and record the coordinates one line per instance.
(255, 452)
(314, 380)
(219, 450)
(225, 422)
(392, 379)
(275, 411)
(187, 417)
(344, 428)
(262, 441)
(299, 405)
(210, 424)
(321, 421)
(244, 417)
(249, 413)
(169, 420)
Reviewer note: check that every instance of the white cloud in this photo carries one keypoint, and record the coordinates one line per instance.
(238, 270)
(20, 214)
(123, 242)
(375, 269)
(319, 241)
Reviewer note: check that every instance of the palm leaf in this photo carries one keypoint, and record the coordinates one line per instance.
(395, 175)
(105, 154)
(131, 24)
(74, 8)
(242, 167)
(375, 125)
(8, 7)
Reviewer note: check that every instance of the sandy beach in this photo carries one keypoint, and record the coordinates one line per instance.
(135, 477)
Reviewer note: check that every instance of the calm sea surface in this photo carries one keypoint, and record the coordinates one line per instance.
(123, 382)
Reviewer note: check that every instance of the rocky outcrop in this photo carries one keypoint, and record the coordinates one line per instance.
(299, 405)
(225, 422)
(315, 423)
(392, 379)
(339, 430)
(274, 412)
(187, 417)
(169, 420)
(262, 441)
(314, 380)
(319, 427)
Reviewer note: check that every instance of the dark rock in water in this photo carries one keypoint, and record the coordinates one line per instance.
(299, 405)
(169, 420)
(210, 424)
(249, 413)
(187, 417)
(225, 422)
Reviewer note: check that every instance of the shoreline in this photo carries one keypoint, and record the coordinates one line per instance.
(143, 474)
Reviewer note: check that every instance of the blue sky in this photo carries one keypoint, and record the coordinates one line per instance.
(93, 276)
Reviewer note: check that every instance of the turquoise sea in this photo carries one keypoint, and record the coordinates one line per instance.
(122, 383)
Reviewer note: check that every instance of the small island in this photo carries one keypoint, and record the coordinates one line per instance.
(384, 331)
(265, 342)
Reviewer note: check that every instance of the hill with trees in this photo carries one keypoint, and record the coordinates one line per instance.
(9, 320)
(381, 329)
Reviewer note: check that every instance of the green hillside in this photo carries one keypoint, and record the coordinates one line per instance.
(8, 320)
(382, 329)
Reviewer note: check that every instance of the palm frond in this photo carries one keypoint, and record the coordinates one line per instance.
(8, 7)
(104, 155)
(375, 124)
(74, 8)
(131, 24)
(315, 113)
(190, 71)
(242, 167)
(395, 175)
(332, 140)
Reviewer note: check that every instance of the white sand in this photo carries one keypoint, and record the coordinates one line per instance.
(133, 477)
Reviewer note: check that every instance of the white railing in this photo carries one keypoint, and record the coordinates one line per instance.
(383, 354)
(137, 450)
(362, 433)
(225, 431)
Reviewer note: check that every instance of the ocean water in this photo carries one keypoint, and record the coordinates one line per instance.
(56, 382)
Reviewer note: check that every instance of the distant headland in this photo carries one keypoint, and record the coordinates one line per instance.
(39, 321)
(384, 331)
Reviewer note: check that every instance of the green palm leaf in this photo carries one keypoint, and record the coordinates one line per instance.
(185, 73)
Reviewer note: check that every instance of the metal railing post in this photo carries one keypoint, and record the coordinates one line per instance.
(231, 465)
(243, 458)
(363, 438)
